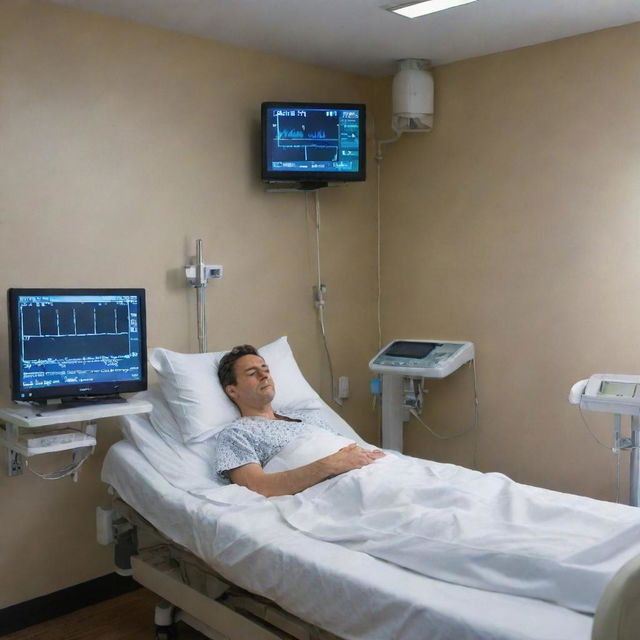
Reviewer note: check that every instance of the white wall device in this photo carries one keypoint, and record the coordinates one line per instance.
(412, 97)
(618, 394)
(202, 273)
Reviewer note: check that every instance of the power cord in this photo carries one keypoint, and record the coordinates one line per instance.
(616, 450)
(70, 469)
(378, 158)
(319, 300)
(473, 427)
(592, 434)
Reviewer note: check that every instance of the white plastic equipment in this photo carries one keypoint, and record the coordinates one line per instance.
(618, 394)
(412, 91)
(402, 361)
(422, 358)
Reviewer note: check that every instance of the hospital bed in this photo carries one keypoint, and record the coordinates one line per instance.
(238, 573)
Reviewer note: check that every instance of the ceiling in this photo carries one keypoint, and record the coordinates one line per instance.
(360, 36)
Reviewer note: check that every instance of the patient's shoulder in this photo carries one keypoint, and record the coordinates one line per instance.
(238, 426)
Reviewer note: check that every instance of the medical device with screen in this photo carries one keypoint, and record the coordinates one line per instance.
(71, 344)
(313, 142)
(422, 358)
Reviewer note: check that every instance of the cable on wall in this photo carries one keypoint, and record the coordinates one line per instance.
(319, 297)
(379, 157)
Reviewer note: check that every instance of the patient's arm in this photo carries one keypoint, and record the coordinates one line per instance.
(289, 482)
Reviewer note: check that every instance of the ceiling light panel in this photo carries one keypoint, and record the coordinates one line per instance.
(417, 9)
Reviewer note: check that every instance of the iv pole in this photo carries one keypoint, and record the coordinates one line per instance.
(197, 276)
(200, 284)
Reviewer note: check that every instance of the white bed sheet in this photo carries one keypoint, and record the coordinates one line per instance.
(346, 592)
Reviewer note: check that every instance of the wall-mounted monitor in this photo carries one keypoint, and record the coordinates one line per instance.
(313, 144)
(80, 344)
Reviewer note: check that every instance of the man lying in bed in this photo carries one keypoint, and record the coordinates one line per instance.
(478, 529)
(246, 445)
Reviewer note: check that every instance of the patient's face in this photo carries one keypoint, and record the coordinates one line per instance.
(254, 387)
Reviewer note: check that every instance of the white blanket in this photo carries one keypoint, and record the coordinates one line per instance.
(465, 527)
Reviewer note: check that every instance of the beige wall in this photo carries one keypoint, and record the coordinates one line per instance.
(512, 224)
(515, 224)
(121, 145)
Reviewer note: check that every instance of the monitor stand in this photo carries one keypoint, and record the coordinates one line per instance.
(311, 186)
(285, 187)
(88, 401)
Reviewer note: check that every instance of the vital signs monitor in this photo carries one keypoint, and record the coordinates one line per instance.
(619, 394)
(422, 358)
(402, 363)
(76, 343)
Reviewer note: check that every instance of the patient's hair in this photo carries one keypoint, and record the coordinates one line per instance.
(226, 374)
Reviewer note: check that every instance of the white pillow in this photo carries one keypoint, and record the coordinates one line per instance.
(189, 383)
(161, 417)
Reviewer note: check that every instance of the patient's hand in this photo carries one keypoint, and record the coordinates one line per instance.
(351, 457)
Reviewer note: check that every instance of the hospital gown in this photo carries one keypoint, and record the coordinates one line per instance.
(255, 439)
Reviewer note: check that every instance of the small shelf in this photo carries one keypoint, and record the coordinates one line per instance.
(50, 419)
(18, 447)
(32, 417)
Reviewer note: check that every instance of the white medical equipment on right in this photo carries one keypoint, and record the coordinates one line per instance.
(618, 394)
(402, 363)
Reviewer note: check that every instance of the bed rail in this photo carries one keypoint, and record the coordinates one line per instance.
(618, 614)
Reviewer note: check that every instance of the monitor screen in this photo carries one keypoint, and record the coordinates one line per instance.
(404, 349)
(309, 142)
(76, 342)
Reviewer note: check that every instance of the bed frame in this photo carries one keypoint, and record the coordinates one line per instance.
(194, 593)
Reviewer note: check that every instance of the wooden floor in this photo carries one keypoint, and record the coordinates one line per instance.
(127, 617)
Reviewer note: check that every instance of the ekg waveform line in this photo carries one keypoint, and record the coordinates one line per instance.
(63, 330)
(52, 326)
(309, 146)
(309, 140)
(298, 134)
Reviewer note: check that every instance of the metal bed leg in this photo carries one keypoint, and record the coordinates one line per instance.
(164, 618)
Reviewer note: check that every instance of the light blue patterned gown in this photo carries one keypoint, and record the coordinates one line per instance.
(257, 439)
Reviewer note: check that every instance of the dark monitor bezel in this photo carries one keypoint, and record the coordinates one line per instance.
(271, 176)
(73, 390)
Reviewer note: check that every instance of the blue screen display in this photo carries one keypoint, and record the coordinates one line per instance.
(78, 340)
(313, 140)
